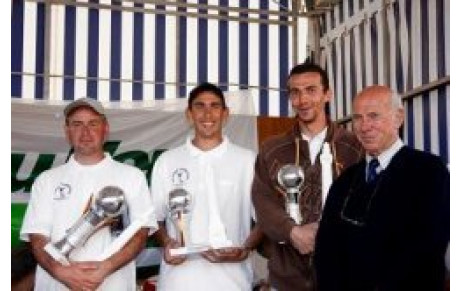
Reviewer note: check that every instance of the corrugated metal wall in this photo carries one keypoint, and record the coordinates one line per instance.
(132, 50)
(401, 43)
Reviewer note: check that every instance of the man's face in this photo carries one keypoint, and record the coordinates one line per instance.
(86, 131)
(207, 115)
(375, 121)
(308, 97)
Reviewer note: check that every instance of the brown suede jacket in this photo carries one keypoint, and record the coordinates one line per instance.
(288, 269)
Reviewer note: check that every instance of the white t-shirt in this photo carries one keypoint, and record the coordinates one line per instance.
(229, 170)
(58, 199)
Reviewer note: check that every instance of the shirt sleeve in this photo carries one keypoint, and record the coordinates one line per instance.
(157, 189)
(140, 203)
(39, 214)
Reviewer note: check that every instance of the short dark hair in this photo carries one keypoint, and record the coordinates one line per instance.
(206, 87)
(308, 67)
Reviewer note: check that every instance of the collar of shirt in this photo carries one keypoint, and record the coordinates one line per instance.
(315, 143)
(215, 152)
(386, 156)
(74, 163)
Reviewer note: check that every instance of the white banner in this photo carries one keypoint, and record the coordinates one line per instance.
(138, 132)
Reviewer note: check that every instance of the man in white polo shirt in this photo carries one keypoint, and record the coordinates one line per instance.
(60, 196)
(217, 176)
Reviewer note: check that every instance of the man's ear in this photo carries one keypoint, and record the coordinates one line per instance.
(226, 115)
(66, 132)
(399, 117)
(188, 116)
(107, 131)
(328, 95)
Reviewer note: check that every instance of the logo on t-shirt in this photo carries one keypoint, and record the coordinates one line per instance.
(62, 191)
(180, 176)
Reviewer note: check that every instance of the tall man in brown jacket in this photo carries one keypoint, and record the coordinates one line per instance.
(290, 244)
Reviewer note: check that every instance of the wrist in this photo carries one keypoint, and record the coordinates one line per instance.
(167, 241)
(106, 267)
(59, 272)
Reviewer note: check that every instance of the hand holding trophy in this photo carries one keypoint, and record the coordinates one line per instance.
(108, 203)
(291, 178)
(180, 206)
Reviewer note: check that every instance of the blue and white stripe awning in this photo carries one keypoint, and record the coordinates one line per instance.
(124, 50)
(401, 43)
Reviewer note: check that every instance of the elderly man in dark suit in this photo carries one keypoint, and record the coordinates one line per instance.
(385, 225)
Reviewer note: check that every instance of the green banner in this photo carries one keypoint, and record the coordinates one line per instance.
(17, 214)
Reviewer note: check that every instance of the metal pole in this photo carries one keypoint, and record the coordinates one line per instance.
(295, 10)
(46, 49)
(386, 43)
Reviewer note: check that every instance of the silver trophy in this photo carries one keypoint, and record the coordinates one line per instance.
(180, 205)
(291, 178)
(108, 203)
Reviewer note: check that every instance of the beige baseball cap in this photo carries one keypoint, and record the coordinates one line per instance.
(87, 102)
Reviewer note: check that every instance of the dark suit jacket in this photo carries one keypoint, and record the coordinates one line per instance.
(403, 229)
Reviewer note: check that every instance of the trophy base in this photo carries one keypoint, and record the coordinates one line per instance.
(188, 250)
(55, 254)
(193, 249)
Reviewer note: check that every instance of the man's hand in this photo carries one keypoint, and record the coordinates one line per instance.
(173, 260)
(86, 275)
(96, 271)
(303, 237)
(74, 276)
(80, 275)
(226, 255)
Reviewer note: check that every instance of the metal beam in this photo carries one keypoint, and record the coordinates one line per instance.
(425, 88)
(142, 81)
(414, 93)
(171, 13)
(214, 7)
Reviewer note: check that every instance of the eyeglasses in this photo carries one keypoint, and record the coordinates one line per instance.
(357, 204)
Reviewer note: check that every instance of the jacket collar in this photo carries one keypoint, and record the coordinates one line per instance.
(331, 128)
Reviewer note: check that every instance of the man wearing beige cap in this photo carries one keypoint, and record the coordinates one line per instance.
(60, 197)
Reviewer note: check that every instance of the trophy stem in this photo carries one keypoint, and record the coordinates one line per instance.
(64, 246)
(294, 212)
(293, 197)
(108, 203)
(56, 254)
(181, 229)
